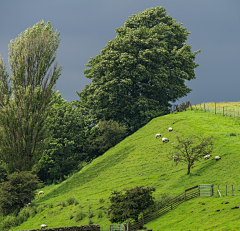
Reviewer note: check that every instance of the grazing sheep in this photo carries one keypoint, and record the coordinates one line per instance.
(157, 135)
(207, 157)
(40, 192)
(165, 139)
(173, 143)
(43, 226)
(170, 129)
(28, 204)
(174, 157)
(217, 158)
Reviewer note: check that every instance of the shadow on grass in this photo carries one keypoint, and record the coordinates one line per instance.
(79, 179)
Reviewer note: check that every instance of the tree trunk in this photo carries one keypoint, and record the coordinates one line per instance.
(188, 169)
(62, 178)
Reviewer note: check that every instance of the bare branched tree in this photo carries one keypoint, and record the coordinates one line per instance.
(191, 149)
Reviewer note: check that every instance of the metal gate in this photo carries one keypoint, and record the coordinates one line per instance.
(205, 190)
(117, 227)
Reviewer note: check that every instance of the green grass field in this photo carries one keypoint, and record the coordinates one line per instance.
(141, 159)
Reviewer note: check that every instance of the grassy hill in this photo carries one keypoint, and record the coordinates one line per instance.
(141, 159)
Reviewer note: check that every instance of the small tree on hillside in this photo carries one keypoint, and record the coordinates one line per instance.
(192, 149)
(130, 204)
(18, 190)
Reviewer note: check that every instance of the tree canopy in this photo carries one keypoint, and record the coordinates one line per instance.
(139, 72)
(23, 130)
(130, 204)
(64, 150)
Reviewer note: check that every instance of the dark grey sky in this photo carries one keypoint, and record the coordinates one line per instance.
(87, 25)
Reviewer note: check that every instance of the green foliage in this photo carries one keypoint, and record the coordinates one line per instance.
(24, 132)
(50, 205)
(130, 204)
(232, 134)
(17, 191)
(105, 135)
(192, 149)
(70, 216)
(79, 215)
(40, 208)
(139, 72)
(63, 204)
(100, 214)
(3, 173)
(101, 200)
(64, 151)
(76, 202)
(90, 213)
(71, 200)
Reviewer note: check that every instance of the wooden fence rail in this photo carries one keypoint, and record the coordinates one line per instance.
(171, 204)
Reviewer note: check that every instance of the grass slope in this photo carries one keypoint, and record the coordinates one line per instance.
(141, 159)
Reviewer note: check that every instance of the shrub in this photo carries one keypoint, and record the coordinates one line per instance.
(63, 204)
(76, 202)
(100, 214)
(18, 190)
(71, 200)
(90, 222)
(40, 208)
(90, 214)
(232, 134)
(79, 215)
(70, 216)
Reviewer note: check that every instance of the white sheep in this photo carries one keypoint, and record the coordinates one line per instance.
(170, 129)
(40, 192)
(174, 157)
(43, 226)
(157, 135)
(217, 158)
(207, 157)
(173, 143)
(165, 139)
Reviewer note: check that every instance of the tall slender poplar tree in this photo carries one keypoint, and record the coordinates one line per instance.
(23, 129)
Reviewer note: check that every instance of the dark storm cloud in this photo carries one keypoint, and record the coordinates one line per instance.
(87, 26)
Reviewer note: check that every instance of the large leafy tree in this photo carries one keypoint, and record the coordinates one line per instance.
(23, 131)
(64, 150)
(139, 72)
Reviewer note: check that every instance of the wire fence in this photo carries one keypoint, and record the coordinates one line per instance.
(214, 191)
(227, 110)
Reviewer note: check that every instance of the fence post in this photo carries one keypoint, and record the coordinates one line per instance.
(212, 190)
(198, 190)
(217, 190)
(215, 108)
